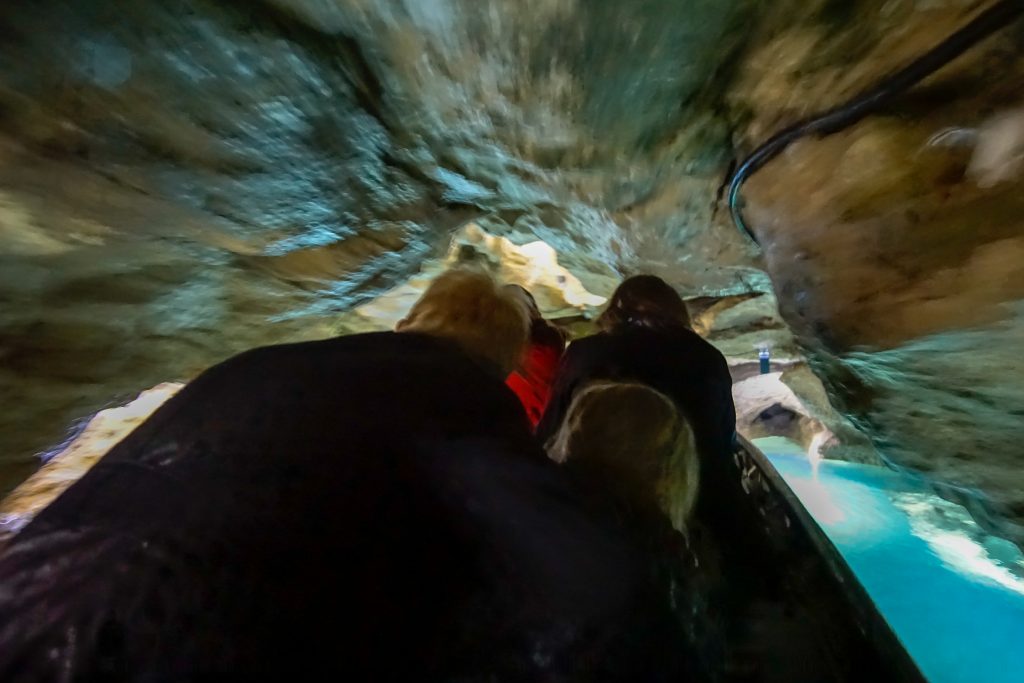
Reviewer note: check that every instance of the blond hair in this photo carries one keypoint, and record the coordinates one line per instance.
(469, 308)
(639, 438)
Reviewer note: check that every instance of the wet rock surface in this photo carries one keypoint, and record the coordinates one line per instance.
(180, 181)
(895, 245)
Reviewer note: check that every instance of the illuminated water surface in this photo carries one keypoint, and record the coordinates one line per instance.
(953, 593)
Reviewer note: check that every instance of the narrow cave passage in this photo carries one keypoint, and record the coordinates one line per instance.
(183, 182)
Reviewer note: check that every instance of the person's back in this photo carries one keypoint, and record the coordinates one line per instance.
(646, 338)
(351, 507)
(235, 507)
(674, 360)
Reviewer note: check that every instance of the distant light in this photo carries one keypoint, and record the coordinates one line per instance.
(533, 265)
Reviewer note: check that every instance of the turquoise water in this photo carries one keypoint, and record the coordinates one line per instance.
(953, 593)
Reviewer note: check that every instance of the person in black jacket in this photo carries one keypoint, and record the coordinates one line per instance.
(371, 507)
(646, 337)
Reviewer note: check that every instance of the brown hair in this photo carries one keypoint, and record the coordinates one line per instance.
(524, 295)
(644, 300)
(641, 441)
(542, 333)
(469, 308)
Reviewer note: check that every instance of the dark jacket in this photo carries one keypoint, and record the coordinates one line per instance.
(677, 362)
(371, 507)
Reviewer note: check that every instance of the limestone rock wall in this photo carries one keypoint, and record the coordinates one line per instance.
(182, 180)
(896, 246)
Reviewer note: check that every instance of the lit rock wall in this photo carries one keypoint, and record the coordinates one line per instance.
(182, 180)
(72, 460)
(896, 247)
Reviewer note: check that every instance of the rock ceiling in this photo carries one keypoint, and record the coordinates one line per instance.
(181, 180)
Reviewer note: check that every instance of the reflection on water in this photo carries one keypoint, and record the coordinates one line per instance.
(955, 538)
(953, 593)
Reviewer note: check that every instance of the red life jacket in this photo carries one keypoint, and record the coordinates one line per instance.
(532, 381)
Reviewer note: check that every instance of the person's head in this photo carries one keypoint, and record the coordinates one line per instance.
(644, 300)
(522, 294)
(469, 308)
(542, 332)
(637, 440)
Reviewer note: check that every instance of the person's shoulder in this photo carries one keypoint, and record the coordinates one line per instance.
(332, 345)
(595, 341)
(590, 349)
(291, 357)
(684, 341)
(687, 336)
